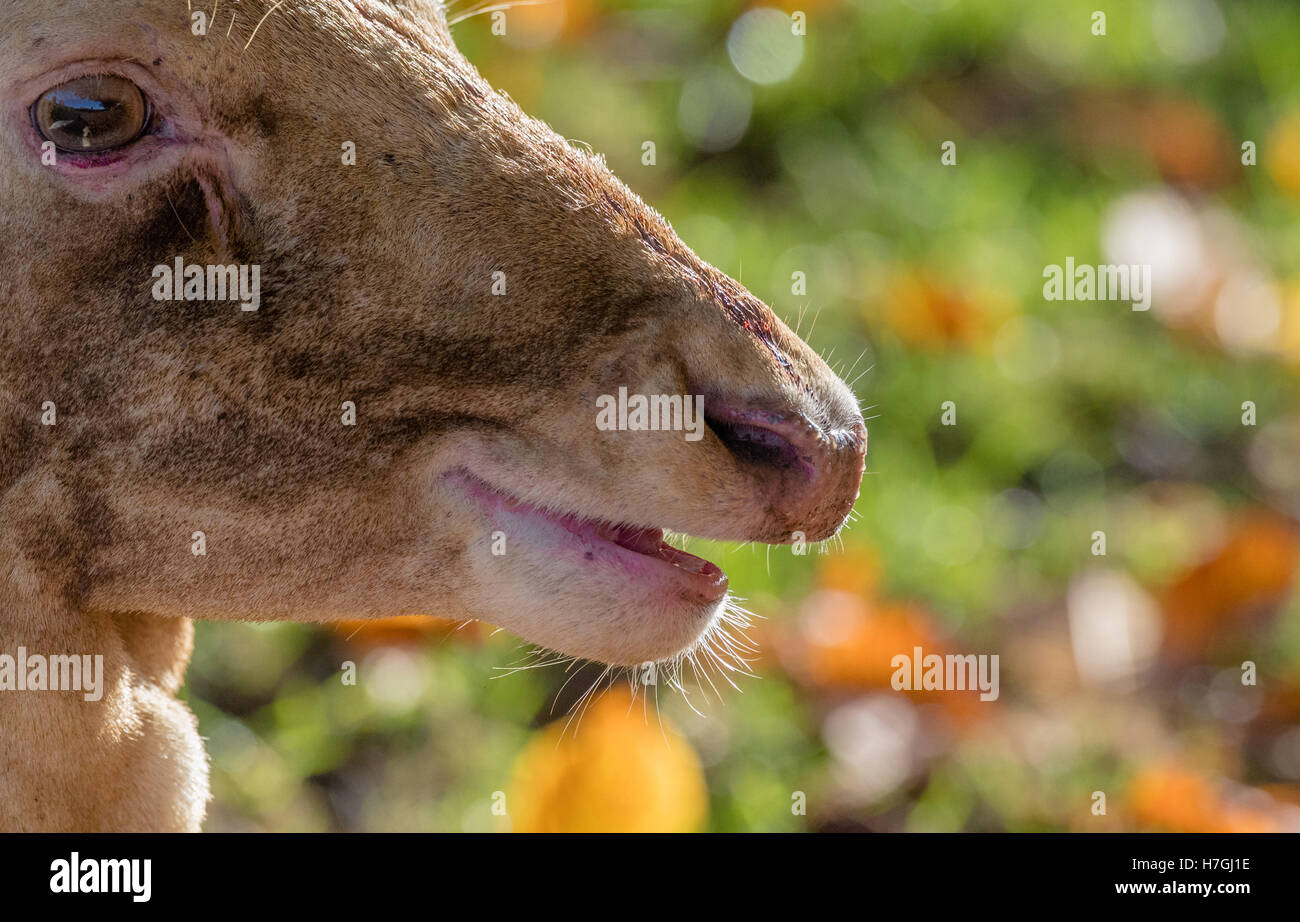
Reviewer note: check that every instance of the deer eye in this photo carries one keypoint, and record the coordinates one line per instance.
(91, 114)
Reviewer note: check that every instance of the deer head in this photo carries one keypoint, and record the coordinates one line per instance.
(466, 293)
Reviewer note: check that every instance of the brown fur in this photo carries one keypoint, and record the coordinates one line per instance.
(175, 417)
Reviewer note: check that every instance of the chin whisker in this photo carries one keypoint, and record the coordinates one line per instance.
(724, 650)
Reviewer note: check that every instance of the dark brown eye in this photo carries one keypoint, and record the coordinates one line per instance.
(91, 114)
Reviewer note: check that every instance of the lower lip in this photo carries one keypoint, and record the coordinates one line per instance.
(700, 580)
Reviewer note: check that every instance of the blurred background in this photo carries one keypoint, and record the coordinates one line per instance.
(1175, 432)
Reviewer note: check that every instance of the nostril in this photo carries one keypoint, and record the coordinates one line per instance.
(788, 443)
(757, 445)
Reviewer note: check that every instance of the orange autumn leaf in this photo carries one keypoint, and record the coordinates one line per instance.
(1187, 142)
(928, 313)
(1167, 798)
(1253, 569)
(617, 770)
(844, 642)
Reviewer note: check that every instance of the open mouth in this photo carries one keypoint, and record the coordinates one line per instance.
(641, 552)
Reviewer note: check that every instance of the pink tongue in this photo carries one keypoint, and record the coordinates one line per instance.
(650, 541)
(641, 540)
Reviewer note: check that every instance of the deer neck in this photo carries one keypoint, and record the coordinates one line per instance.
(87, 702)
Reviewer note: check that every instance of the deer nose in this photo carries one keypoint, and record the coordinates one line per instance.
(808, 474)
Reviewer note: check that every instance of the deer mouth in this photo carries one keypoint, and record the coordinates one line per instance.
(641, 552)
